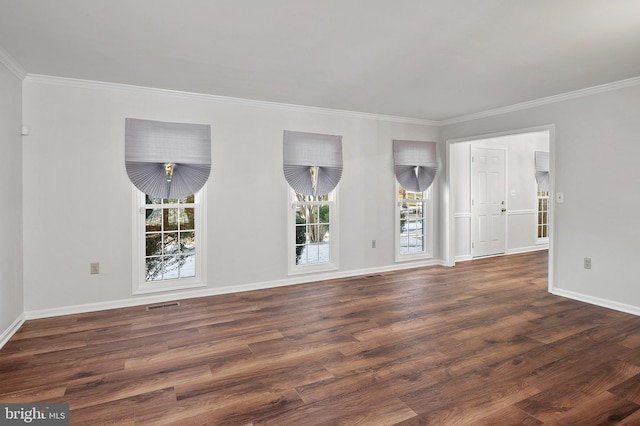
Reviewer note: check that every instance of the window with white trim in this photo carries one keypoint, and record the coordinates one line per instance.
(415, 166)
(313, 233)
(414, 237)
(542, 198)
(312, 165)
(168, 243)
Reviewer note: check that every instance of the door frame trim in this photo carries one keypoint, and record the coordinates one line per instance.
(449, 231)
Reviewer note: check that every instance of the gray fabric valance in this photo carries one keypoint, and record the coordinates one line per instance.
(167, 160)
(415, 164)
(312, 162)
(542, 170)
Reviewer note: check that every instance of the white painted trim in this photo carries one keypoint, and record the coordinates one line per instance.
(214, 291)
(463, 258)
(11, 330)
(545, 101)
(72, 82)
(519, 250)
(225, 100)
(521, 212)
(11, 64)
(449, 233)
(463, 215)
(528, 249)
(605, 303)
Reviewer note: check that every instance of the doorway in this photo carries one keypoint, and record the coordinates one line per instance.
(464, 227)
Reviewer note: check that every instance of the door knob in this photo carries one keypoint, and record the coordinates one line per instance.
(504, 210)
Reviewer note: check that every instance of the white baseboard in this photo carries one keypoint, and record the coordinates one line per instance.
(13, 328)
(528, 249)
(605, 303)
(214, 291)
(466, 257)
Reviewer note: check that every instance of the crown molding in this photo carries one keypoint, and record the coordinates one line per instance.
(125, 88)
(545, 101)
(11, 64)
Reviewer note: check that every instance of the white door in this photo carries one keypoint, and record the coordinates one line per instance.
(488, 209)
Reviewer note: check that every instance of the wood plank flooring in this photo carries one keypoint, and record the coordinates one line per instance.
(482, 343)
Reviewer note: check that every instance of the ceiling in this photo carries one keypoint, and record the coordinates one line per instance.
(428, 59)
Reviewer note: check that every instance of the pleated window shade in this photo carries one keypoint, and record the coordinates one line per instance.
(152, 145)
(312, 162)
(542, 170)
(415, 164)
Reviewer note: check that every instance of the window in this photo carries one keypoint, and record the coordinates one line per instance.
(413, 232)
(312, 165)
(543, 215)
(168, 243)
(314, 233)
(415, 166)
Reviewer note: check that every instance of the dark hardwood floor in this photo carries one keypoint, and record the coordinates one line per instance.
(480, 343)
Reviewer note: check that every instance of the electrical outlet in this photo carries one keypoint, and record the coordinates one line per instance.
(95, 268)
(373, 243)
(587, 263)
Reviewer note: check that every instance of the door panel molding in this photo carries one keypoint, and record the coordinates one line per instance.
(488, 201)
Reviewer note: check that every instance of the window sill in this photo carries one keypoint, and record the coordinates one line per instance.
(312, 269)
(413, 257)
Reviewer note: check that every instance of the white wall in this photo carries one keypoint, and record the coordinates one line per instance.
(596, 151)
(11, 285)
(521, 205)
(77, 197)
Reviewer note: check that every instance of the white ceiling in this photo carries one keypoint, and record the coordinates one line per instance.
(430, 59)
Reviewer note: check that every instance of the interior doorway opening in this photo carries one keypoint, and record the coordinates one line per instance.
(487, 218)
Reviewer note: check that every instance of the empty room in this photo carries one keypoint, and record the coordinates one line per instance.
(318, 213)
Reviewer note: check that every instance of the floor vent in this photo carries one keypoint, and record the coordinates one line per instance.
(163, 305)
(372, 276)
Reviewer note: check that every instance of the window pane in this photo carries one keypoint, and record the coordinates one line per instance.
(153, 244)
(153, 220)
(188, 266)
(187, 218)
(187, 242)
(411, 214)
(312, 229)
(313, 234)
(170, 238)
(312, 253)
(171, 265)
(543, 214)
(323, 252)
(171, 243)
(171, 219)
(153, 268)
(149, 200)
